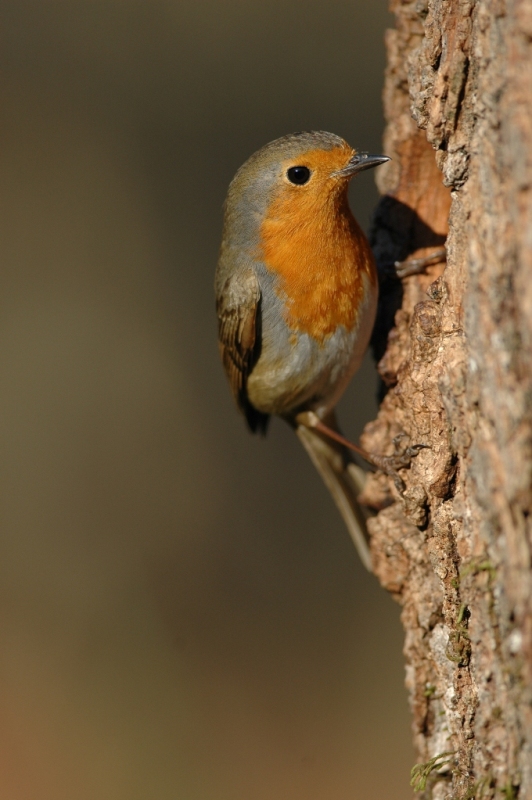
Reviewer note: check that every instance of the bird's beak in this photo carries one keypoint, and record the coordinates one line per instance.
(358, 163)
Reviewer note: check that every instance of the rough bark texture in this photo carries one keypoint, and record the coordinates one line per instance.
(455, 550)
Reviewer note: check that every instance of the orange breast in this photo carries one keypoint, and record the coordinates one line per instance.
(319, 253)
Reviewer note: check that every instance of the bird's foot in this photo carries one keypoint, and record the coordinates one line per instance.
(401, 459)
(414, 266)
(390, 465)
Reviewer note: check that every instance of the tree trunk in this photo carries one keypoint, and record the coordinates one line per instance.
(455, 548)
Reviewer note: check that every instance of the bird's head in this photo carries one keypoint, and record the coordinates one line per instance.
(304, 170)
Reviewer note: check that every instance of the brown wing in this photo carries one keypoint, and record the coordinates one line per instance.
(238, 309)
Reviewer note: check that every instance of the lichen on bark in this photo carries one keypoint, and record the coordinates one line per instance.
(455, 352)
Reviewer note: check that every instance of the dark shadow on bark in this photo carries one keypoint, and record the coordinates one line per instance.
(396, 233)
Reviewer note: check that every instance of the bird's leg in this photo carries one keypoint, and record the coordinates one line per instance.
(387, 464)
(413, 266)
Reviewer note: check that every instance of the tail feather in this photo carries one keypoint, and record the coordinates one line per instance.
(345, 481)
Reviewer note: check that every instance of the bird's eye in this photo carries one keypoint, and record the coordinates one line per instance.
(298, 175)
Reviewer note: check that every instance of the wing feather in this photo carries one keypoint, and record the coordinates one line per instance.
(239, 335)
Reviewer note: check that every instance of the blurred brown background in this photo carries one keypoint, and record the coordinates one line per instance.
(183, 615)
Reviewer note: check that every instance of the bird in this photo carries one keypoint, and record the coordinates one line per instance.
(296, 297)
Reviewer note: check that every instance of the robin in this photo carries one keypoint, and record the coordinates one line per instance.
(296, 296)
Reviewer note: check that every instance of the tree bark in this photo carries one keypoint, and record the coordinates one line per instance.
(455, 350)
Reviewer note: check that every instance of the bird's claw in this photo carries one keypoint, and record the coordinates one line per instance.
(390, 465)
(401, 459)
